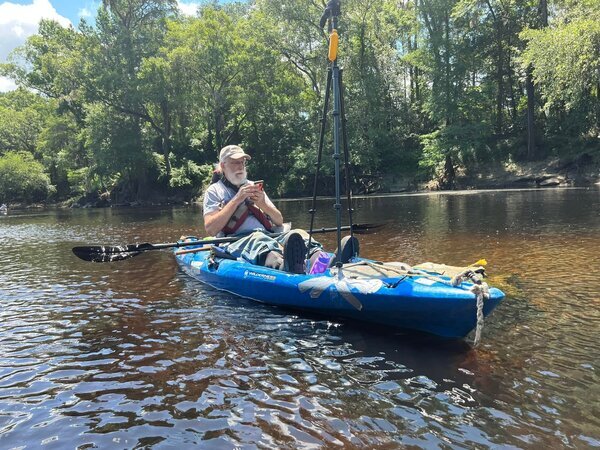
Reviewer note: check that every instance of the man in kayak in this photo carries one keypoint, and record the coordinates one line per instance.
(236, 206)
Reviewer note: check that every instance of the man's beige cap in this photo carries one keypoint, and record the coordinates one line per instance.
(233, 152)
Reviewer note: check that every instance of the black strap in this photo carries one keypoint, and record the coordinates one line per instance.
(229, 184)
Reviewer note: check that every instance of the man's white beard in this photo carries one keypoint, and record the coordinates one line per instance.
(238, 179)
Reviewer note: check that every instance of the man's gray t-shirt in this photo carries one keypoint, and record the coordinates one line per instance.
(218, 195)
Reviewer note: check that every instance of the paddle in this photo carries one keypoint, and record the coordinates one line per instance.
(107, 253)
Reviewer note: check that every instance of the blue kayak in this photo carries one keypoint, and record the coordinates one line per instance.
(366, 291)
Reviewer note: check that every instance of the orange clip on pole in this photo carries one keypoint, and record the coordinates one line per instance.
(333, 45)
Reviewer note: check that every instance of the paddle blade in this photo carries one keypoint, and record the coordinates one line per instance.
(101, 253)
(366, 228)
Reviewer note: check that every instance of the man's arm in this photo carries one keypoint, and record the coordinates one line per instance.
(269, 208)
(215, 221)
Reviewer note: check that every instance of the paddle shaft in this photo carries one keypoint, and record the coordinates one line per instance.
(100, 253)
(227, 239)
(192, 250)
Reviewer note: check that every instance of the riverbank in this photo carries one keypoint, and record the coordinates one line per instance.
(581, 170)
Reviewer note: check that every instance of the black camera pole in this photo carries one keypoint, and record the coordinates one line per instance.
(334, 82)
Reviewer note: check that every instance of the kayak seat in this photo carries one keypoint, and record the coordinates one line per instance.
(294, 252)
(350, 249)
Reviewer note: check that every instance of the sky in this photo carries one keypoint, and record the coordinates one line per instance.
(19, 19)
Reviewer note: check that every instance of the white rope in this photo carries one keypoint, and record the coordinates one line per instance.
(481, 291)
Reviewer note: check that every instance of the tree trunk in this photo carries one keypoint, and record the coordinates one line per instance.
(511, 87)
(531, 151)
(499, 67)
(531, 144)
(447, 64)
(543, 7)
(500, 92)
(416, 72)
(449, 174)
(166, 138)
(217, 117)
(411, 74)
(598, 101)
(218, 131)
(210, 141)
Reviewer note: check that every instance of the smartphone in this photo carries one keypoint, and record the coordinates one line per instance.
(259, 183)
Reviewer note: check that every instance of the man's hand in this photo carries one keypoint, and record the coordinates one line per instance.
(274, 260)
(258, 197)
(253, 192)
(246, 191)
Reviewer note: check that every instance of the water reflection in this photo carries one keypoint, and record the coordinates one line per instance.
(135, 354)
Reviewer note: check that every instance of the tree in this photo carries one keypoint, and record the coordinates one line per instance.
(126, 33)
(22, 179)
(52, 63)
(22, 117)
(541, 22)
(565, 58)
(205, 52)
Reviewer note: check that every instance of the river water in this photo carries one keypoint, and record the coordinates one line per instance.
(135, 354)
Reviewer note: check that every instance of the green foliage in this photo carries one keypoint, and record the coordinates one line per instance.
(22, 118)
(81, 181)
(299, 177)
(191, 175)
(114, 141)
(22, 179)
(565, 58)
(140, 102)
(466, 144)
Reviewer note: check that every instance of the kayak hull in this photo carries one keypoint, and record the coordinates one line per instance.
(414, 303)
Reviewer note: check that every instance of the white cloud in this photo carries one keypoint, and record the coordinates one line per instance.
(6, 84)
(18, 22)
(189, 8)
(84, 13)
(88, 11)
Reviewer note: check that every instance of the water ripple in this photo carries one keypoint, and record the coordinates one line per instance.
(134, 354)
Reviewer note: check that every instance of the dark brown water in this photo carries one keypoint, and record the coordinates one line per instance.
(134, 354)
